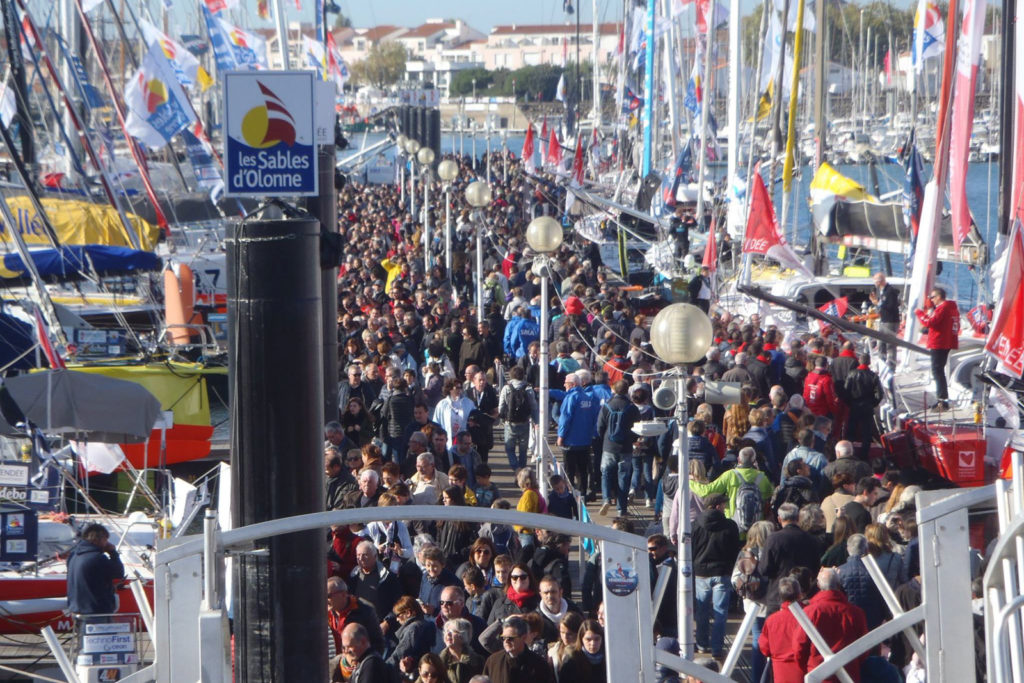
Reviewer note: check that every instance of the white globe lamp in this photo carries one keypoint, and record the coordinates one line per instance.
(544, 234)
(448, 170)
(681, 333)
(478, 194)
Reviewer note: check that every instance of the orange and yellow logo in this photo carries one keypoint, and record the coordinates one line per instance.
(154, 93)
(268, 124)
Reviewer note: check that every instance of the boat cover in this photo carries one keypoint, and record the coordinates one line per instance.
(881, 227)
(71, 263)
(75, 222)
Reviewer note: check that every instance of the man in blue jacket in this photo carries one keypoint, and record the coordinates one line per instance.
(615, 425)
(576, 420)
(93, 567)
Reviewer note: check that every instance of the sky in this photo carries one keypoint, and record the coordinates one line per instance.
(480, 14)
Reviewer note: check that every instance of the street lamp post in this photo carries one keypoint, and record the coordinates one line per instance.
(682, 333)
(412, 147)
(472, 133)
(544, 235)
(487, 132)
(504, 156)
(426, 158)
(448, 170)
(401, 141)
(478, 194)
(513, 103)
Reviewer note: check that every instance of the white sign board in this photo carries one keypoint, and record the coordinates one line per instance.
(13, 475)
(111, 642)
(270, 136)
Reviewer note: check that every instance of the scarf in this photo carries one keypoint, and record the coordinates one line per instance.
(770, 347)
(764, 359)
(552, 616)
(863, 367)
(846, 353)
(520, 598)
(594, 659)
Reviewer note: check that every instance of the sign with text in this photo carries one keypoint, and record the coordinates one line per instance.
(270, 143)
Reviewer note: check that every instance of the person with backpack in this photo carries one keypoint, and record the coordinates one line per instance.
(747, 489)
(797, 488)
(751, 587)
(517, 405)
(615, 427)
(716, 544)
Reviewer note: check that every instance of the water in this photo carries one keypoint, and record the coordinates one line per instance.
(982, 197)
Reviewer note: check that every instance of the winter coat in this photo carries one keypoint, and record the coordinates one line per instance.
(863, 389)
(631, 414)
(577, 417)
(783, 550)
(430, 589)
(794, 372)
(716, 543)
(839, 623)
(91, 576)
(526, 666)
(943, 323)
(776, 641)
(841, 368)
(820, 394)
(415, 638)
(861, 591)
(397, 413)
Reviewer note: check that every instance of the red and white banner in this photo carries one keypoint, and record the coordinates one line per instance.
(528, 162)
(967, 61)
(544, 137)
(762, 236)
(1006, 340)
(576, 179)
(43, 334)
(711, 250)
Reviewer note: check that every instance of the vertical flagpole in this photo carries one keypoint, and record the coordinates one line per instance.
(595, 114)
(794, 95)
(648, 116)
(282, 34)
(705, 106)
(734, 207)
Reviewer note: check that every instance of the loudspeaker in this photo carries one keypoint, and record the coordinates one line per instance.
(722, 393)
(664, 397)
(434, 133)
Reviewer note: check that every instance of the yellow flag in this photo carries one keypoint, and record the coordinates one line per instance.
(828, 182)
(204, 78)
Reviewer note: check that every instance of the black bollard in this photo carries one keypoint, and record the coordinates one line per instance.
(277, 446)
(325, 208)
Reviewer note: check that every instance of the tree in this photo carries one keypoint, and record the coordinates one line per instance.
(341, 21)
(384, 65)
(462, 82)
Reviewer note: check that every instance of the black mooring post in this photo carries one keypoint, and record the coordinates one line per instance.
(325, 208)
(276, 446)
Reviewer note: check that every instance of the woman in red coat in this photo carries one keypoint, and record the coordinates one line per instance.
(942, 319)
(776, 640)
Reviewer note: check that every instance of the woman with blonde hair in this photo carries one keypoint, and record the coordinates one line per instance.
(880, 547)
(530, 501)
(736, 421)
(757, 534)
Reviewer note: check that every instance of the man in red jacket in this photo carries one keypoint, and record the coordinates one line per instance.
(820, 391)
(942, 320)
(838, 622)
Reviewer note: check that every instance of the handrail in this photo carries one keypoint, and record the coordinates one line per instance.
(958, 499)
(831, 665)
(186, 546)
(689, 668)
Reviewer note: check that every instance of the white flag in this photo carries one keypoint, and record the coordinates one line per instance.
(8, 103)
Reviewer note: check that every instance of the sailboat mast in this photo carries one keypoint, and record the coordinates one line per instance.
(734, 215)
(776, 121)
(794, 96)
(595, 112)
(705, 114)
(17, 65)
(670, 78)
(1008, 96)
(821, 66)
(649, 98)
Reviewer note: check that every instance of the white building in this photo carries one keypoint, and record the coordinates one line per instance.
(514, 46)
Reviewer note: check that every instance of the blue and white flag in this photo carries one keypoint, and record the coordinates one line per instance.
(157, 108)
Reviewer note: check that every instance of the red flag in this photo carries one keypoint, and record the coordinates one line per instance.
(1006, 340)
(762, 236)
(710, 250)
(263, 9)
(888, 67)
(704, 10)
(622, 39)
(968, 59)
(836, 308)
(43, 333)
(544, 137)
(528, 162)
(554, 158)
(577, 164)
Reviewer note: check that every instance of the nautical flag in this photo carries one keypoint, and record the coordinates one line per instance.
(1006, 339)
(96, 457)
(215, 6)
(762, 235)
(544, 137)
(929, 34)
(157, 108)
(43, 334)
(683, 170)
(827, 186)
(8, 103)
(250, 49)
(694, 94)
(316, 58)
(630, 102)
(185, 64)
(528, 162)
(263, 9)
(913, 188)
(679, 6)
(554, 156)
(710, 9)
(967, 60)
(223, 55)
(770, 63)
(888, 67)
(560, 89)
(336, 67)
(836, 308)
(204, 166)
(710, 259)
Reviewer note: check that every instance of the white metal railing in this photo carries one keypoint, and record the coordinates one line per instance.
(1004, 576)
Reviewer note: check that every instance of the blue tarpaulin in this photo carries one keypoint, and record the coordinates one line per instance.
(74, 262)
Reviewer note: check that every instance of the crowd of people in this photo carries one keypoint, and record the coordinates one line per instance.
(791, 493)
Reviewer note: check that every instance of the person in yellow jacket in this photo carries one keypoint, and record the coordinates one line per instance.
(730, 481)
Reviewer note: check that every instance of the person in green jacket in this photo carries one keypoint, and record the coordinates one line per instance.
(729, 482)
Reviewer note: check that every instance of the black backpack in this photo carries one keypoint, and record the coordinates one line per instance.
(748, 505)
(517, 407)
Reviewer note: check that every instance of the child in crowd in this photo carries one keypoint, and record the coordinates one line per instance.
(457, 477)
(485, 491)
(561, 501)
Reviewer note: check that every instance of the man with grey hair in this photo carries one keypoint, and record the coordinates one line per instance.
(730, 481)
(371, 581)
(713, 367)
(368, 493)
(516, 663)
(354, 388)
(846, 462)
(857, 583)
(839, 623)
(428, 483)
(418, 445)
(784, 550)
(738, 372)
